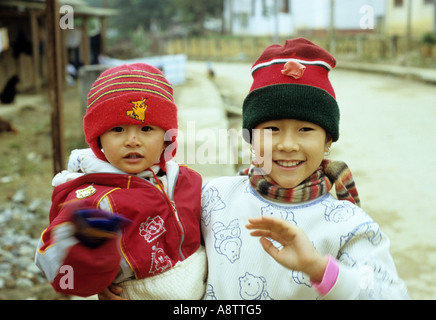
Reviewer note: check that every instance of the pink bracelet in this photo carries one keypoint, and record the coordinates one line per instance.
(329, 278)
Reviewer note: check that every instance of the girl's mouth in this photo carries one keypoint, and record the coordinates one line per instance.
(288, 164)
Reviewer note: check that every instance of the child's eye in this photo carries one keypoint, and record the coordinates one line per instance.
(146, 128)
(117, 129)
(306, 129)
(271, 128)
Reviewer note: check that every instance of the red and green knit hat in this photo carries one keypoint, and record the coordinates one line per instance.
(291, 82)
(137, 94)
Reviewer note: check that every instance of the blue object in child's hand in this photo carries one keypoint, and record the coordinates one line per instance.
(94, 226)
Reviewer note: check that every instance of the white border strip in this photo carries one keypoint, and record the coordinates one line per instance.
(277, 61)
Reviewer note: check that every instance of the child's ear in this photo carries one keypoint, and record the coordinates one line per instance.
(328, 143)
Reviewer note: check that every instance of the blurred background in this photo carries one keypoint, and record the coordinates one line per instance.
(394, 31)
(51, 51)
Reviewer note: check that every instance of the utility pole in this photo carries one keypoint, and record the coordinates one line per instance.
(276, 22)
(331, 34)
(409, 26)
(230, 17)
(55, 84)
(434, 18)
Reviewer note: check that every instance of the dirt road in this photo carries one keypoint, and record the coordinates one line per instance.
(388, 138)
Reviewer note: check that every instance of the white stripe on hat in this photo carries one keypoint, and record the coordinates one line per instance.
(284, 60)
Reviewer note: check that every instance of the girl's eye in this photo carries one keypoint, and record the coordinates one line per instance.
(146, 128)
(271, 128)
(117, 129)
(306, 129)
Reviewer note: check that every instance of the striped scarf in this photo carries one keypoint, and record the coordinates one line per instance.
(319, 183)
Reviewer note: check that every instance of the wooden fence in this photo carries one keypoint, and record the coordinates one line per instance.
(362, 47)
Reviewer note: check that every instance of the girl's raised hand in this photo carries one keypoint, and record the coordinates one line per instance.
(297, 253)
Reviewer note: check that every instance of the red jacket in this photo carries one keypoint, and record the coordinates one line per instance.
(157, 239)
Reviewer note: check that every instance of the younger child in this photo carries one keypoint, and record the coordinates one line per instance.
(124, 213)
(325, 247)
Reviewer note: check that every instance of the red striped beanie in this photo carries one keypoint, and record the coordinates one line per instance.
(291, 82)
(137, 94)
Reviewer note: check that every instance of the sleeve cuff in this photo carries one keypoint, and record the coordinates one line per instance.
(329, 279)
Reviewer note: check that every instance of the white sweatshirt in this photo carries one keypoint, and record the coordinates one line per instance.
(239, 268)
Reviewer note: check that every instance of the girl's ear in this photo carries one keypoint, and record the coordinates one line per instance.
(328, 143)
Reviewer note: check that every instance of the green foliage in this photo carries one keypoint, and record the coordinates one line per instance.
(429, 38)
(161, 14)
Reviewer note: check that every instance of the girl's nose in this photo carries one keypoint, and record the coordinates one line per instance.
(288, 144)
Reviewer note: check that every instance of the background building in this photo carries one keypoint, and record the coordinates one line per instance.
(258, 17)
(415, 16)
(287, 17)
(290, 17)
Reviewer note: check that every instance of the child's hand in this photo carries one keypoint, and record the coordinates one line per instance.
(297, 253)
(111, 293)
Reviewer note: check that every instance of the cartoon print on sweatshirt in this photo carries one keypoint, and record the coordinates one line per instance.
(210, 293)
(152, 228)
(301, 278)
(228, 239)
(346, 259)
(159, 260)
(276, 212)
(370, 230)
(211, 201)
(341, 212)
(253, 288)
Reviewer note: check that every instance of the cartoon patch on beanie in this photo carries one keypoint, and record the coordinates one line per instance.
(138, 110)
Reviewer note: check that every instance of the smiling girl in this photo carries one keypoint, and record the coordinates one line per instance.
(312, 245)
(124, 215)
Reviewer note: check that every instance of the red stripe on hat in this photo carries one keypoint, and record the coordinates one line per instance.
(114, 90)
(112, 84)
(105, 89)
(314, 75)
(140, 79)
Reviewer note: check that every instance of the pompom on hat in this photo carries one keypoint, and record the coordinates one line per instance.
(132, 94)
(291, 82)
